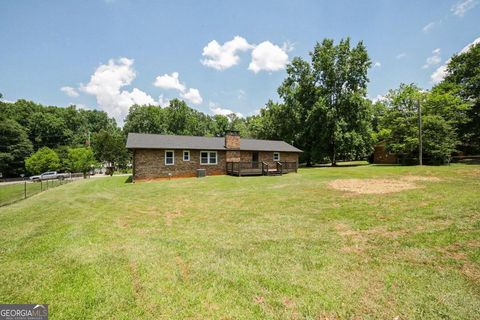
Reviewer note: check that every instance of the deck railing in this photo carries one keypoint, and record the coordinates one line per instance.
(260, 168)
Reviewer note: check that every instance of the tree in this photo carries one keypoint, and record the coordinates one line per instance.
(14, 148)
(400, 126)
(146, 119)
(81, 160)
(401, 120)
(463, 81)
(109, 147)
(291, 120)
(218, 126)
(439, 139)
(45, 159)
(325, 110)
(342, 112)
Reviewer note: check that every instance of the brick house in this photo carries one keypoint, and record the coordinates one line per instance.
(165, 156)
(382, 156)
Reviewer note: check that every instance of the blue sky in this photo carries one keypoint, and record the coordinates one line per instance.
(217, 55)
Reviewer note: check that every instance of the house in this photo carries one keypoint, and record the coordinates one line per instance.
(382, 156)
(165, 156)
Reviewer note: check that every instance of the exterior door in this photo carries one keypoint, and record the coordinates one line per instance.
(255, 159)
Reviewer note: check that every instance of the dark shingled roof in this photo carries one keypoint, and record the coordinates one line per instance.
(159, 141)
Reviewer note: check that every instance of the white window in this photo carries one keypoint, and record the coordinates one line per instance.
(186, 155)
(208, 157)
(169, 158)
(276, 156)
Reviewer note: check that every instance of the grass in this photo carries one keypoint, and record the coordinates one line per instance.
(285, 247)
(10, 193)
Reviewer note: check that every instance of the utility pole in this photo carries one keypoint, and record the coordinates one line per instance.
(88, 139)
(420, 142)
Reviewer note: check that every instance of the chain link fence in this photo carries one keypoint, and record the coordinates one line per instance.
(13, 190)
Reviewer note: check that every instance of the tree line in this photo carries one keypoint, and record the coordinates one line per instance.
(324, 110)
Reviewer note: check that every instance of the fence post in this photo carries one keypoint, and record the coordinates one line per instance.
(25, 189)
(41, 185)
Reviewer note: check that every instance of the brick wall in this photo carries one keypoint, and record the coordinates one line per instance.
(150, 164)
(232, 140)
(267, 156)
(381, 156)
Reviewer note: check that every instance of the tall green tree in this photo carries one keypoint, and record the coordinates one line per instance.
(439, 139)
(463, 80)
(325, 111)
(109, 146)
(45, 159)
(14, 148)
(81, 160)
(401, 121)
(400, 128)
(218, 126)
(292, 119)
(146, 119)
(342, 114)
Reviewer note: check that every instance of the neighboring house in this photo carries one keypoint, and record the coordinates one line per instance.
(165, 156)
(382, 156)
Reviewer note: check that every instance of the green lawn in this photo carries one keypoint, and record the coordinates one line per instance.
(10, 193)
(248, 248)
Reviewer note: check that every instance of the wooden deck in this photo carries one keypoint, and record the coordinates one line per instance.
(260, 168)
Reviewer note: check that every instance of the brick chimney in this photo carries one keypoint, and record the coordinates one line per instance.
(232, 139)
(232, 144)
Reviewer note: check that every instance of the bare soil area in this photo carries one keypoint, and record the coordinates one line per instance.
(380, 186)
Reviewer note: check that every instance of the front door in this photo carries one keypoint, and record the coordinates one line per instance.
(255, 159)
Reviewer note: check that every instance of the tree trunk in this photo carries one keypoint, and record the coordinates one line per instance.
(309, 161)
(333, 158)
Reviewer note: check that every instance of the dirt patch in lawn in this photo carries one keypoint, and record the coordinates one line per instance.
(171, 215)
(371, 186)
(379, 186)
(420, 178)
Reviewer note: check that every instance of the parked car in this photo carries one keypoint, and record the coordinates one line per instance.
(50, 176)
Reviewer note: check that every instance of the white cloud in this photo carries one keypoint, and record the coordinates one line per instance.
(378, 97)
(269, 57)
(169, 82)
(69, 91)
(255, 112)
(427, 28)
(221, 57)
(460, 8)
(401, 55)
(106, 85)
(162, 102)
(241, 94)
(217, 109)
(439, 74)
(434, 59)
(81, 106)
(192, 95)
(173, 82)
(377, 64)
(468, 46)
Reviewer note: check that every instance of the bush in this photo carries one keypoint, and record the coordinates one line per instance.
(45, 159)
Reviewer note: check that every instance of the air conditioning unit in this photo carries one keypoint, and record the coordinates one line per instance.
(201, 173)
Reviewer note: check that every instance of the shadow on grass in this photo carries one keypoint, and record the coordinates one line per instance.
(129, 179)
(346, 164)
